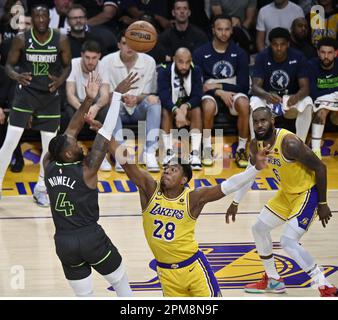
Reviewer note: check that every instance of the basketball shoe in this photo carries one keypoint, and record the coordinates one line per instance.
(266, 285)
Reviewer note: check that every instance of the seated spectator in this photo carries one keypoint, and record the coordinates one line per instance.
(328, 27)
(102, 20)
(133, 10)
(180, 91)
(244, 10)
(182, 33)
(225, 68)
(324, 88)
(58, 15)
(300, 38)
(78, 34)
(78, 78)
(280, 13)
(199, 16)
(139, 104)
(280, 81)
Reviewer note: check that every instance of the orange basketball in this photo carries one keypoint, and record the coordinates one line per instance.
(141, 36)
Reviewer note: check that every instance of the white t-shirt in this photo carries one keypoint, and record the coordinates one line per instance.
(270, 17)
(81, 79)
(145, 66)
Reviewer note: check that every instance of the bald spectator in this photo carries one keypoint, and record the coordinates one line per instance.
(279, 13)
(183, 33)
(300, 38)
(180, 91)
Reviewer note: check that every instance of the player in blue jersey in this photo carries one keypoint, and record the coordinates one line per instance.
(280, 80)
(225, 68)
(324, 88)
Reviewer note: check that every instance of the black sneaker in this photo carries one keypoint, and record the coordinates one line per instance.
(17, 165)
(241, 158)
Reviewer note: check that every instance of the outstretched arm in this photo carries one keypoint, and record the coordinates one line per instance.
(141, 178)
(294, 149)
(76, 123)
(100, 145)
(201, 196)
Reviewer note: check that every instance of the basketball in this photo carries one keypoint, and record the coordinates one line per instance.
(141, 36)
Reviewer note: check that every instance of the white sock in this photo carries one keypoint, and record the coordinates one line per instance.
(167, 141)
(318, 278)
(196, 139)
(12, 139)
(46, 137)
(241, 143)
(303, 122)
(83, 287)
(206, 142)
(119, 280)
(317, 133)
(270, 268)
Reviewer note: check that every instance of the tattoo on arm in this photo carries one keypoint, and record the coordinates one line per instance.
(97, 153)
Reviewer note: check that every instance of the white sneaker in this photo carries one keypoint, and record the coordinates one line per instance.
(170, 155)
(195, 160)
(41, 197)
(105, 165)
(118, 167)
(151, 162)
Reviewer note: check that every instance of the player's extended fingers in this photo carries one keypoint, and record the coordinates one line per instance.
(233, 217)
(227, 217)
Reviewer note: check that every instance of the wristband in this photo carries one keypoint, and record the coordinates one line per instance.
(324, 202)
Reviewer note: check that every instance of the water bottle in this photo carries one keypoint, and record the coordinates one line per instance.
(227, 154)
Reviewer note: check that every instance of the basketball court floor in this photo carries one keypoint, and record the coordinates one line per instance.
(29, 266)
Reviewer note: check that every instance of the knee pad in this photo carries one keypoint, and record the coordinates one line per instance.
(260, 228)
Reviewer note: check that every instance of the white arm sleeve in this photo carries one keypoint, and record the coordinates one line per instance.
(239, 181)
(111, 118)
(242, 191)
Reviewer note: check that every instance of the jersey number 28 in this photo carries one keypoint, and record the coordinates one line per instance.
(166, 231)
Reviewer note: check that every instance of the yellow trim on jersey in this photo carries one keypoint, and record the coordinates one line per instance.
(306, 200)
(188, 207)
(152, 197)
(175, 199)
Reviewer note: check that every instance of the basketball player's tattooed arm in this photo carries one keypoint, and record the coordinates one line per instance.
(304, 91)
(78, 120)
(257, 90)
(13, 57)
(294, 149)
(66, 59)
(201, 196)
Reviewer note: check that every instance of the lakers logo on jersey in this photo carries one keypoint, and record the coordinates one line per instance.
(163, 211)
(237, 264)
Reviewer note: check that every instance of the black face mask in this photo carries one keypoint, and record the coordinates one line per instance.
(266, 136)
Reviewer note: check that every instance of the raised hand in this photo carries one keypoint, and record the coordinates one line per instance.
(93, 124)
(127, 84)
(262, 158)
(93, 85)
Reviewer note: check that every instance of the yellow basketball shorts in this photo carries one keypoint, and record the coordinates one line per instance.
(301, 205)
(190, 278)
